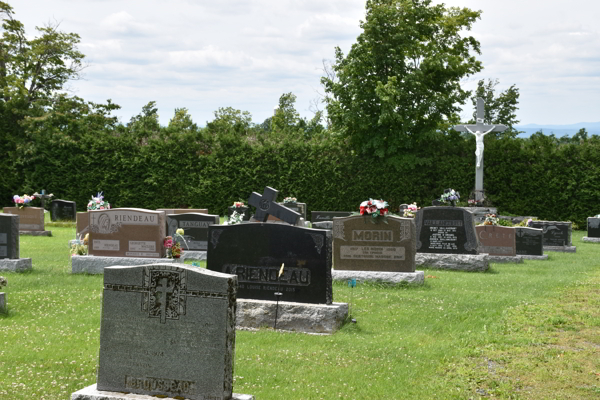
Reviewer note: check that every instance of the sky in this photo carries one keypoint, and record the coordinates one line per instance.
(203, 55)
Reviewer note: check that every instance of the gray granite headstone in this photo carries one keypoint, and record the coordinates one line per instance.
(195, 228)
(168, 331)
(9, 236)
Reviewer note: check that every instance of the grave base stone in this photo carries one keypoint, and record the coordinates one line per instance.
(2, 302)
(417, 277)
(16, 265)
(528, 257)
(92, 393)
(293, 317)
(590, 239)
(506, 259)
(454, 262)
(194, 255)
(96, 264)
(35, 233)
(562, 249)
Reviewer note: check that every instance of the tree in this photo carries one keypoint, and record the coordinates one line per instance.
(401, 79)
(286, 117)
(182, 121)
(500, 109)
(33, 69)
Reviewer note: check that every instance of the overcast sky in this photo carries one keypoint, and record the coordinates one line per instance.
(245, 54)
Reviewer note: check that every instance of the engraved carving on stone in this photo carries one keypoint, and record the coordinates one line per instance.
(104, 226)
(165, 298)
(338, 230)
(264, 204)
(472, 242)
(404, 230)
(319, 240)
(215, 237)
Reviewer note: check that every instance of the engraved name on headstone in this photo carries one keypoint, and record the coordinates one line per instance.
(167, 331)
(322, 216)
(446, 230)
(195, 228)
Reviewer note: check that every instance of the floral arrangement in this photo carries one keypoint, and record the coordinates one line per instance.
(290, 200)
(23, 201)
(235, 218)
(375, 208)
(490, 219)
(450, 196)
(409, 212)
(80, 248)
(238, 204)
(2, 281)
(173, 247)
(98, 203)
(475, 203)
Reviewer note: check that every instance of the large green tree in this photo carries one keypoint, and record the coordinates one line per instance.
(500, 108)
(400, 82)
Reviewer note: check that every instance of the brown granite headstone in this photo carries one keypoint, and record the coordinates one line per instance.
(496, 240)
(126, 232)
(30, 218)
(83, 224)
(361, 245)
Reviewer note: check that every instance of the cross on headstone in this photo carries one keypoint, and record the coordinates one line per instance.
(266, 205)
(164, 289)
(479, 130)
(43, 196)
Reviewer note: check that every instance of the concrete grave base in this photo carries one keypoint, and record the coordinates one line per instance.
(527, 257)
(417, 277)
(506, 259)
(455, 262)
(2, 302)
(35, 233)
(16, 265)
(96, 264)
(194, 255)
(590, 239)
(91, 393)
(563, 249)
(294, 317)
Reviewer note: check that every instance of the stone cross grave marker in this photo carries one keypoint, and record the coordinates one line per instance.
(480, 130)
(266, 205)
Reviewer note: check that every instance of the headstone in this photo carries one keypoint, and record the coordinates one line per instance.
(183, 210)
(556, 233)
(593, 227)
(83, 224)
(446, 230)
(298, 207)
(361, 245)
(529, 241)
(63, 210)
(322, 216)
(403, 207)
(496, 240)
(241, 210)
(126, 232)
(30, 218)
(167, 330)
(266, 205)
(255, 251)
(9, 236)
(195, 226)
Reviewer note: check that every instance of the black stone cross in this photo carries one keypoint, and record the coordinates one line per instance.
(164, 289)
(266, 205)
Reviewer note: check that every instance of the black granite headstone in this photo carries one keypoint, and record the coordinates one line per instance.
(266, 205)
(593, 227)
(255, 251)
(529, 241)
(300, 208)
(321, 216)
(556, 233)
(241, 210)
(447, 230)
(195, 227)
(9, 236)
(63, 210)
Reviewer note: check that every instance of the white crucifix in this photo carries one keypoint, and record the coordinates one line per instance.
(479, 130)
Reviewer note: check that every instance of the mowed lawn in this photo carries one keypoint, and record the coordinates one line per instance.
(518, 331)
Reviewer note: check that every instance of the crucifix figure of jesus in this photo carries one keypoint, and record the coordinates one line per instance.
(479, 130)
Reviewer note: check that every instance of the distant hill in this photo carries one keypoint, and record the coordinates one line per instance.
(592, 128)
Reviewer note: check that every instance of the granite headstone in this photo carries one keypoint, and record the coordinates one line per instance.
(167, 330)
(30, 218)
(361, 245)
(556, 233)
(9, 236)
(240, 210)
(255, 251)
(63, 210)
(322, 216)
(446, 230)
(529, 241)
(593, 227)
(127, 232)
(82, 224)
(195, 226)
(496, 240)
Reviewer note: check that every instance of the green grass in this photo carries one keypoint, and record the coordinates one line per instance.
(518, 331)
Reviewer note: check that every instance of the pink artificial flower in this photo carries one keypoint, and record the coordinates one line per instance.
(101, 207)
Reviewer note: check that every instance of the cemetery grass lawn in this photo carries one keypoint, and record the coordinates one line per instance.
(519, 331)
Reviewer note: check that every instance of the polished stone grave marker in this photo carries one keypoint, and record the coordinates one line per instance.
(30, 218)
(593, 227)
(167, 330)
(323, 216)
(9, 236)
(446, 230)
(126, 232)
(63, 210)
(266, 205)
(195, 226)
(496, 240)
(82, 224)
(556, 233)
(240, 210)
(361, 245)
(183, 210)
(255, 251)
(529, 241)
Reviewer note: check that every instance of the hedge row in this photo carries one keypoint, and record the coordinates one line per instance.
(536, 176)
